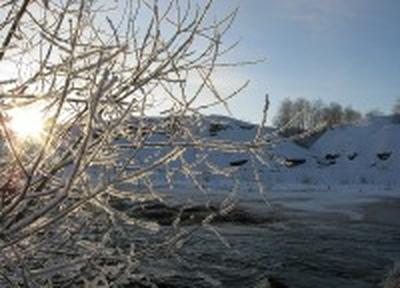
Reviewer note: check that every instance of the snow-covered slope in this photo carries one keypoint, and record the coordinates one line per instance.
(367, 153)
(363, 145)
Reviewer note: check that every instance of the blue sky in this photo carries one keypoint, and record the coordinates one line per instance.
(334, 50)
(346, 51)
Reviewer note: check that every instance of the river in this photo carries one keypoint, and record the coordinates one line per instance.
(299, 248)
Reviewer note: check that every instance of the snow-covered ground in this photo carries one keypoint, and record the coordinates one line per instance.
(353, 163)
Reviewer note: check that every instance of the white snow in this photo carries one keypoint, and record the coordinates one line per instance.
(343, 167)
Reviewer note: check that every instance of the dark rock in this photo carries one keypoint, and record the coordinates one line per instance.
(247, 127)
(384, 156)
(276, 283)
(215, 128)
(238, 162)
(157, 212)
(353, 156)
(332, 156)
(166, 215)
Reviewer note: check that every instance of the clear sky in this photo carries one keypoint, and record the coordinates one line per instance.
(335, 50)
(346, 51)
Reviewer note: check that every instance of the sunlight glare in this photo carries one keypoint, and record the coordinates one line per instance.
(27, 122)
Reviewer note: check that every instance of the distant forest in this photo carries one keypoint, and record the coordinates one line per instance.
(299, 115)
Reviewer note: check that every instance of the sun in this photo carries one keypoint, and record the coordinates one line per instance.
(27, 123)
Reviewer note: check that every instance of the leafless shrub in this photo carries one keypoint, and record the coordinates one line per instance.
(95, 77)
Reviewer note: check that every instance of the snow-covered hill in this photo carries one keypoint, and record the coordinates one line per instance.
(346, 165)
(353, 155)
(363, 153)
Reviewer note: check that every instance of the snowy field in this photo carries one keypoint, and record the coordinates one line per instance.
(346, 165)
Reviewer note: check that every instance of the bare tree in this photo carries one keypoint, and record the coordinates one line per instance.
(317, 115)
(285, 113)
(95, 77)
(303, 110)
(333, 114)
(350, 115)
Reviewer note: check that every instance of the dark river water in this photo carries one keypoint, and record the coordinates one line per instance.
(297, 249)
